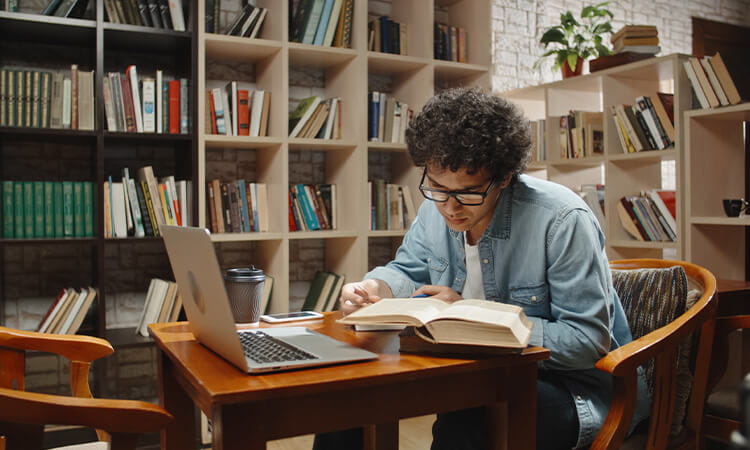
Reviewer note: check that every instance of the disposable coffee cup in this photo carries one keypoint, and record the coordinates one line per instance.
(245, 289)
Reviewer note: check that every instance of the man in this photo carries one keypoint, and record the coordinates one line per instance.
(487, 231)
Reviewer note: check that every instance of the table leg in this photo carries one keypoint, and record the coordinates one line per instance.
(180, 434)
(237, 428)
(382, 436)
(521, 424)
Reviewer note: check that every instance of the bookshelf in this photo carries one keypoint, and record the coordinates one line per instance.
(622, 173)
(714, 155)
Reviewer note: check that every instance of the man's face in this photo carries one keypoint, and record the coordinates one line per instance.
(459, 217)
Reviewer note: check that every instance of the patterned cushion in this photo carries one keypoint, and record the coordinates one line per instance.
(653, 298)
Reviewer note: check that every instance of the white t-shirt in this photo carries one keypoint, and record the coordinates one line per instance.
(473, 287)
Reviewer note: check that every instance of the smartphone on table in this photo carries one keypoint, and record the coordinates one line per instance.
(290, 316)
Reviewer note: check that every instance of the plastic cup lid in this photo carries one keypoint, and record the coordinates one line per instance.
(244, 274)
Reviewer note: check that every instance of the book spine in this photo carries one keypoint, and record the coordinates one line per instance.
(184, 121)
(149, 105)
(8, 209)
(58, 209)
(68, 212)
(87, 188)
(149, 201)
(18, 222)
(79, 227)
(174, 106)
(28, 208)
(243, 112)
(308, 210)
(49, 209)
(144, 211)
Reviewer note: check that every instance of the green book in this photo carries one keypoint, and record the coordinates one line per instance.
(28, 209)
(78, 219)
(88, 208)
(67, 188)
(3, 97)
(10, 98)
(319, 287)
(18, 210)
(49, 209)
(58, 209)
(8, 210)
(38, 187)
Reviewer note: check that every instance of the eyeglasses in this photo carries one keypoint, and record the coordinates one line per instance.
(466, 198)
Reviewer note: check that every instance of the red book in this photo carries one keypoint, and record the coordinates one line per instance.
(174, 106)
(243, 112)
(292, 223)
(127, 100)
(668, 197)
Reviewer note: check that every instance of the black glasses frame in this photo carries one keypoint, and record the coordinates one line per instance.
(455, 194)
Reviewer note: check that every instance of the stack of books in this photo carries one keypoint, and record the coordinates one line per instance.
(322, 22)
(237, 206)
(47, 209)
(140, 207)
(163, 304)
(150, 104)
(387, 118)
(391, 205)
(42, 99)
(237, 110)
(60, 8)
(581, 134)
(312, 207)
(630, 43)
(66, 313)
(315, 117)
(449, 42)
(646, 125)
(248, 22)
(718, 80)
(324, 292)
(538, 140)
(387, 36)
(649, 216)
(166, 14)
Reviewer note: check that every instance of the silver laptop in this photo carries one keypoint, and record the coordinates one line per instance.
(198, 275)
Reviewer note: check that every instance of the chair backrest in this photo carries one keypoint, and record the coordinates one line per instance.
(672, 333)
(23, 414)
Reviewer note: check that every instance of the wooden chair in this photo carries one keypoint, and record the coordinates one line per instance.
(23, 414)
(695, 325)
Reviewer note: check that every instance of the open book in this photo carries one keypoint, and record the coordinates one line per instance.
(473, 322)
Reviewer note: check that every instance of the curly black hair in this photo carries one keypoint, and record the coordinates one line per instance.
(471, 129)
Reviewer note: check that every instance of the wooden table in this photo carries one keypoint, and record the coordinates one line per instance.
(248, 410)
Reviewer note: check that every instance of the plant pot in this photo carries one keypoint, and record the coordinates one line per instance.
(567, 72)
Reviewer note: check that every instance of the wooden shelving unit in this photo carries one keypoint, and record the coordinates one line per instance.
(622, 173)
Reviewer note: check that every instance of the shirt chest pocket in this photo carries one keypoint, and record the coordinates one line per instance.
(438, 268)
(533, 299)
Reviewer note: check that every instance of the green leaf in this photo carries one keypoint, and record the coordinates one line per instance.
(602, 50)
(572, 59)
(554, 34)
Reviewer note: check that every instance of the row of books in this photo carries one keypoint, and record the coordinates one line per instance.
(718, 80)
(167, 14)
(138, 207)
(157, 104)
(323, 294)
(646, 125)
(581, 134)
(387, 118)
(449, 42)
(237, 111)
(315, 117)
(47, 209)
(322, 22)
(163, 304)
(387, 36)
(312, 207)
(65, 8)
(237, 206)
(538, 139)
(66, 313)
(649, 216)
(248, 21)
(391, 205)
(43, 99)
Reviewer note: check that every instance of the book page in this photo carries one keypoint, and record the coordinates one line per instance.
(410, 311)
(484, 311)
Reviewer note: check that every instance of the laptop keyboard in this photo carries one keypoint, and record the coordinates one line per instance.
(263, 348)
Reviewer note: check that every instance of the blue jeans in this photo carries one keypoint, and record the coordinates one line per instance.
(556, 424)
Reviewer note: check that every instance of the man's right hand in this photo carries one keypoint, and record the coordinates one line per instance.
(361, 293)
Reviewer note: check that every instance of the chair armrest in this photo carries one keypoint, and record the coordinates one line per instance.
(123, 416)
(71, 346)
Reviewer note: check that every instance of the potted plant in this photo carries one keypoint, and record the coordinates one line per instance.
(573, 41)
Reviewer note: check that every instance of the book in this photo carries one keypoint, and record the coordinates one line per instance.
(705, 84)
(695, 84)
(468, 321)
(132, 74)
(176, 15)
(301, 114)
(715, 83)
(52, 311)
(734, 76)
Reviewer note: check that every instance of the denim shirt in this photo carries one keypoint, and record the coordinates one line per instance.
(544, 251)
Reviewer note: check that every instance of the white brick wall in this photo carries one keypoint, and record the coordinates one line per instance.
(518, 24)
